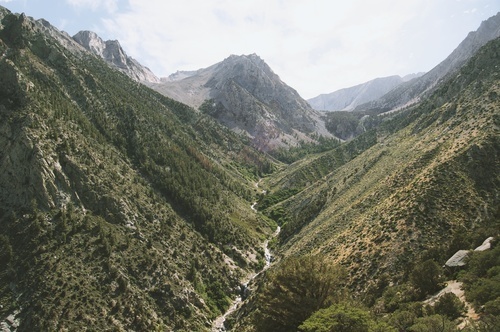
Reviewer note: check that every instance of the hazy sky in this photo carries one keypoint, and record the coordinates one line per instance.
(315, 46)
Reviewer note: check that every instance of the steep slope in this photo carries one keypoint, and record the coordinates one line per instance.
(112, 53)
(423, 177)
(244, 94)
(348, 98)
(386, 206)
(119, 208)
(412, 91)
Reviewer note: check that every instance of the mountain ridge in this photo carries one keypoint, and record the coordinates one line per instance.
(410, 92)
(348, 98)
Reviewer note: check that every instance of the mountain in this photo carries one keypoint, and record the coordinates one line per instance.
(123, 209)
(392, 202)
(412, 91)
(119, 208)
(244, 94)
(113, 53)
(179, 75)
(348, 98)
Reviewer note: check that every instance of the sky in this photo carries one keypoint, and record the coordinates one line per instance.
(315, 46)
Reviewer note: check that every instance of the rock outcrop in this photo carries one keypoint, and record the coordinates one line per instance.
(113, 54)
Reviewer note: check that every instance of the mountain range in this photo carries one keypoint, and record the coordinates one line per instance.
(414, 90)
(241, 92)
(128, 208)
(348, 99)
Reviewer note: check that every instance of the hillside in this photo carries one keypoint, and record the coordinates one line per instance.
(423, 185)
(120, 208)
(244, 94)
(419, 177)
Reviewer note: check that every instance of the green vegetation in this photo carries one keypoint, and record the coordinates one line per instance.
(343, 318)
(426, 277)
(109, 191)
(433, 323)
(482, 280)
(294, 153)
(291, 293)
(449, 305)
(123, 209)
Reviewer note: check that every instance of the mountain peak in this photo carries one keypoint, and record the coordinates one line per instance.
(112, 52)
(248, 97)
(91, 41)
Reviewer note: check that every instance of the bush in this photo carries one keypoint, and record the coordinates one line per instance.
(345, 318)
(295, 289)
(434, 323)
(449, 305)
(426, 277)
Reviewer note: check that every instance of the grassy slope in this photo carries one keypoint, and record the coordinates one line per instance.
(435, 169)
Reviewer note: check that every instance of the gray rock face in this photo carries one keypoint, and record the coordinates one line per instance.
(113, 54)
(412, 91)
(347, 99)
(248, 97)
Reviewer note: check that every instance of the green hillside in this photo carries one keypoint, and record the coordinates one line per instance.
(119, 207)
(422, 185)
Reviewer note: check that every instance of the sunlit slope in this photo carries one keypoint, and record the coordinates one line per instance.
(432, 170)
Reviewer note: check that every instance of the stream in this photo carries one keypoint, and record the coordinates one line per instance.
(218, 323)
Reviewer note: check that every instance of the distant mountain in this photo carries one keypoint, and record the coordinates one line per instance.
(243, 93)
(348, 98)
(412, 91)
(113, 53)
(179, 75)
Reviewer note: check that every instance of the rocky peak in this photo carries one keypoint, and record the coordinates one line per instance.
(112, 52)
(91, 41)
(256, 77)
(247, 96)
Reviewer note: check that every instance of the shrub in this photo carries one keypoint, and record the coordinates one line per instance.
(426, 277)
(449, 305)
(343, 317)
(434, 323)
(295, 289)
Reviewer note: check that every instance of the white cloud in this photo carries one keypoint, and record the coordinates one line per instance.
(108, 5)
(316, 46)
(5, 1)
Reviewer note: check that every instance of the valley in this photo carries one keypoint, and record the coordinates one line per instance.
(220, 200)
